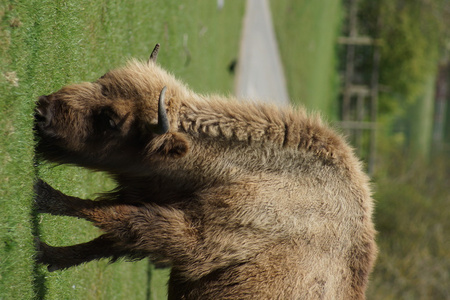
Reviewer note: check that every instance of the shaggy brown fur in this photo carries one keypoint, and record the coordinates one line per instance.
(245, 200)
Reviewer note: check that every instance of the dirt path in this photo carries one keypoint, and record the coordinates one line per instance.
(260, 73)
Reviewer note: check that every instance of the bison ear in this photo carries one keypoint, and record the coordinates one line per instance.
(165, 144)
(169, 145)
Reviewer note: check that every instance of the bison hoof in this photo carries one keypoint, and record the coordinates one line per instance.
(43, 256)
(44, 194)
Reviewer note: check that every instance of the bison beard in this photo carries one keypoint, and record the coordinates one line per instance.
(244, 200)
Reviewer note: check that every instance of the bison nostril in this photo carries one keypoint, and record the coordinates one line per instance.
(42, 113)
(40, 117)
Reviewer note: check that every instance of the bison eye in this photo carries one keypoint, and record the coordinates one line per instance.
(112, 124)
(105, 121)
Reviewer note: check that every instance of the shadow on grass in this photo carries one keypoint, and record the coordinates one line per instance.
(39, 287)
(148, 292)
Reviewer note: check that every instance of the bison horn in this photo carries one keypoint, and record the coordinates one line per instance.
(154, 54)
(163, 121)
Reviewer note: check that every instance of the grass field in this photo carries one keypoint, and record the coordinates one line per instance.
(46, 44)
(307, 32)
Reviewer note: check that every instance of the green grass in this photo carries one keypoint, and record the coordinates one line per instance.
(307, 33)
(46, 44)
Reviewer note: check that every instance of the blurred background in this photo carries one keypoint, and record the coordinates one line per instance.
(379, 71)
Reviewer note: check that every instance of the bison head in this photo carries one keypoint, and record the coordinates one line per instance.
(114, 123)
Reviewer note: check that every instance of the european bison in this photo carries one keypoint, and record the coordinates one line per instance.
(244, 200)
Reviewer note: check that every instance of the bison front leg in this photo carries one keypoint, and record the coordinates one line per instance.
(134, 230)
(57, 258)
(51, 201)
